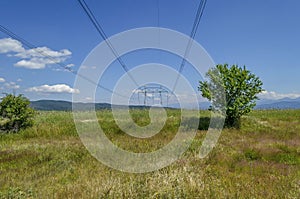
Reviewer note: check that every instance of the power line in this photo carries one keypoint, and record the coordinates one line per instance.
(100, 30)
(33, 47)
(197, 20)
(104, 37)
(158, 25)
(158, 13)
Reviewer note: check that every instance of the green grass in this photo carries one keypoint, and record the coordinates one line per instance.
(260, 160)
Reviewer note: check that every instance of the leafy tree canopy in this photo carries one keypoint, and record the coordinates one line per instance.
(240, 89)
(15, 113)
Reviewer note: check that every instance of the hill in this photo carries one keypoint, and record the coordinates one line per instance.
(59, 105)
(284, 103)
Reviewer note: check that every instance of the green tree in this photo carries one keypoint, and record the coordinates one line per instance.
(15, 113)
(240, 88)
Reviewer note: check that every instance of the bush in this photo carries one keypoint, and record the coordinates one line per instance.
(15, 113)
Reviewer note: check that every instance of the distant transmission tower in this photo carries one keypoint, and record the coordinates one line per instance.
(152, 94)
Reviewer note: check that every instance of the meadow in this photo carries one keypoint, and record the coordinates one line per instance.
(259, 160)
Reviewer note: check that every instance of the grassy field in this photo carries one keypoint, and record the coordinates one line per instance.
(48, 160)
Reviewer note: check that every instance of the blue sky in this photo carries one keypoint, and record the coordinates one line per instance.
(263, 35)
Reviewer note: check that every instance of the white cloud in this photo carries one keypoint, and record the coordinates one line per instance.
(19, 80)
(58, 88)
(2, 79)
(42, 52)
(39, 62)
(70, 65)
(10, 45)
(274, 95)
(31, 64)
(11, 85)
(36, 58)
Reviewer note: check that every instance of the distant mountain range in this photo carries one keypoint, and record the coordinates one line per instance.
(284, 103)
(58, 105)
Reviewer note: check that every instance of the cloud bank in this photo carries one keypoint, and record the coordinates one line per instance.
(274, 95)
(36, 58)
(58, 88)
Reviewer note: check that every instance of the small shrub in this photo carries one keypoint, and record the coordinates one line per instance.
(15, 113)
